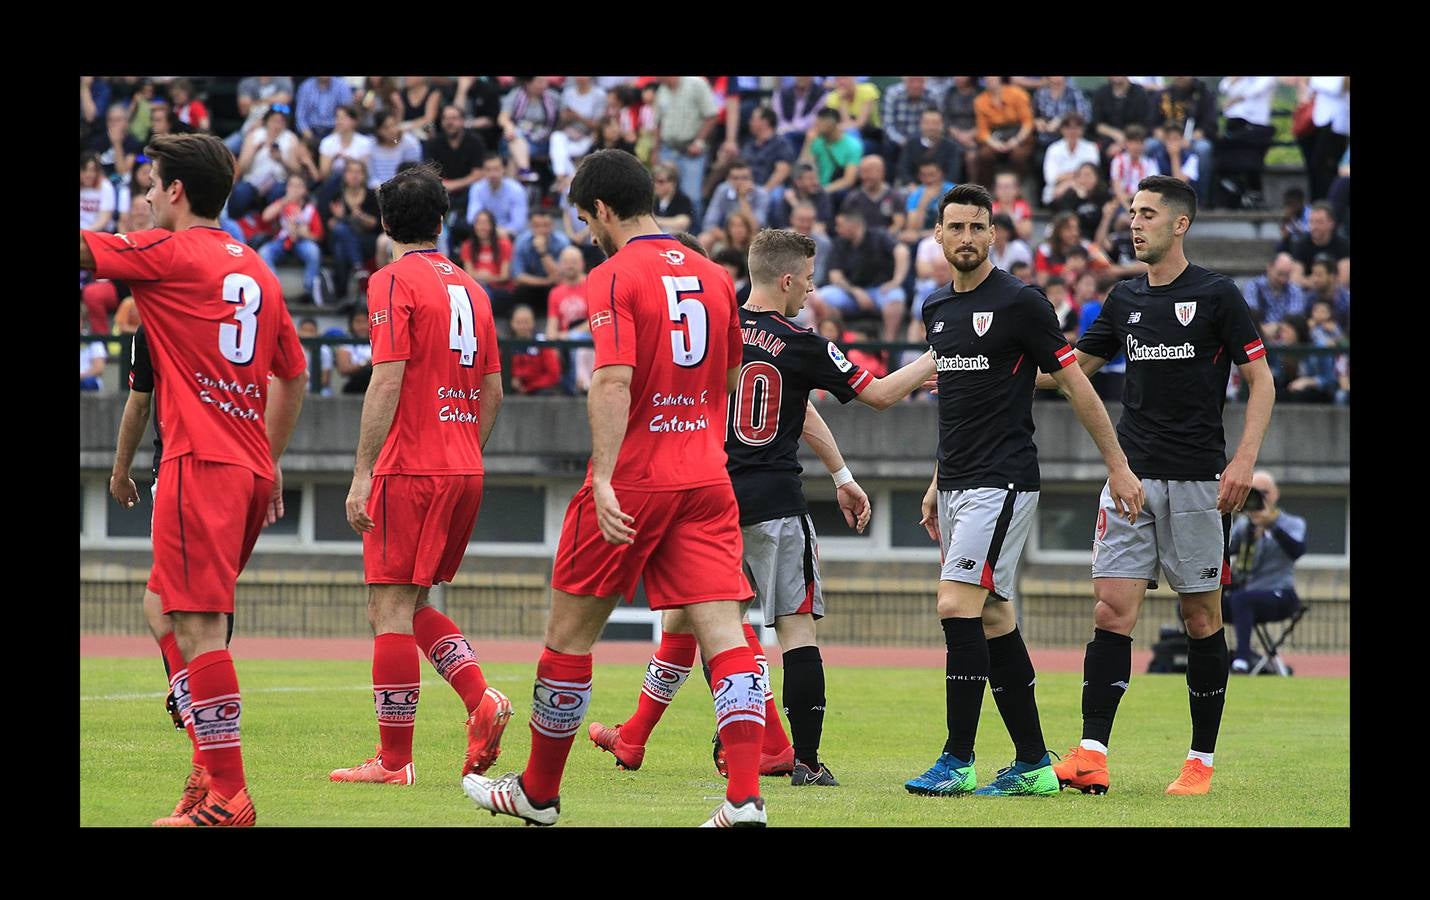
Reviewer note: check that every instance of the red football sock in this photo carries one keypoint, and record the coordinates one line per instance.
(776, 741)
(740, 718)
(217, 713)
(179, 685)
(442, 643)
(667, 671)
(396, 682)
(558, 704)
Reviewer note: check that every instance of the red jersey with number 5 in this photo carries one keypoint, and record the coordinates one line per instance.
(671, 314)
(217, 328)
(424, 309)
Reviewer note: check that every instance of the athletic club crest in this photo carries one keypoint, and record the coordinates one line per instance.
(1186, 312)
(981, 322)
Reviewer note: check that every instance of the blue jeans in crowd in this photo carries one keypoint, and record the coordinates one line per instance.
(246, 198)
(351, 249)
(691, 177)
(308, 251)
(1205, 163)
(844, 301)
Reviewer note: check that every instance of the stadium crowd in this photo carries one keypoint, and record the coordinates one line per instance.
(857, 168)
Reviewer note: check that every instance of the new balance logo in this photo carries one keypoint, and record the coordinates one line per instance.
(1118, 684)
(937, 327)
(1210, 573)
(1134, 318)
(964, 563)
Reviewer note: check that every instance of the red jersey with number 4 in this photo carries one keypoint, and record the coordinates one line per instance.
(424, 309)
(217, 328)
(671, 314)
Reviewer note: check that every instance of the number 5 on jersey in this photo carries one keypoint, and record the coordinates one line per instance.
(687, 346)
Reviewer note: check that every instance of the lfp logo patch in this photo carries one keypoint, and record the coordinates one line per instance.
(837, 356)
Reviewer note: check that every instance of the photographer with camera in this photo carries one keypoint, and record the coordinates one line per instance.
(1265, 544)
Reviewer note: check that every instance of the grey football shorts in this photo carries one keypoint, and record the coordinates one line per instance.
(981, 533)
(1179, 527)
(782, 563)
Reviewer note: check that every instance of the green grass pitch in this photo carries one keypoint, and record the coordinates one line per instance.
(1283, 757)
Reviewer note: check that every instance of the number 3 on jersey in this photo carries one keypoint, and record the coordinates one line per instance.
(687, 347)
(236, 339)
(757, 403)
(463, 331)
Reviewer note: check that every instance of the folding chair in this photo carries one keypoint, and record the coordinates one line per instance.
(1271, 659)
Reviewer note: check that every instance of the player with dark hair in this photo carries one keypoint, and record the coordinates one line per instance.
(417, 479)
(657, 500)
(990, 334)
(769, 412)
(1182, 327)
(220, 327)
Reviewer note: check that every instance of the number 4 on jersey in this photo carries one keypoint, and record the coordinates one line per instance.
(463, 329)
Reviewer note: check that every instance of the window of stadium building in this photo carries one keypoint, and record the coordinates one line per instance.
(1066, 515)
(1327, 521)
(904, 515)
(120, 522)
(829, 522)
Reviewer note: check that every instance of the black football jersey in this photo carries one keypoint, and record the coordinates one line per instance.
(988, 345)
(1181, 339)
(141, 378)
(782, 364)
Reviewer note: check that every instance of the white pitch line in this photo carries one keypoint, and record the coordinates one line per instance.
(154, 695)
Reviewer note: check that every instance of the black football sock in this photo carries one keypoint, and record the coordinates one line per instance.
(804, 702)
(965, 672)
(1011, 679)
(1106, 673)
(1206, 685)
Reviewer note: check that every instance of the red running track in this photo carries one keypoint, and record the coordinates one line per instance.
(634, 652)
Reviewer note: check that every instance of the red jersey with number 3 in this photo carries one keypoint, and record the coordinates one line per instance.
(671, 314)
(217, 327)
(424, 309)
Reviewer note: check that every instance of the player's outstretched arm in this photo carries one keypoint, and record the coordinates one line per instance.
(853, 502)
(608, 405)
(1126, 487)
(490, 404)
(285, 399)
(379, 407)
(1236, 480)
(884, 392)
(131, 429)
(1085, 361)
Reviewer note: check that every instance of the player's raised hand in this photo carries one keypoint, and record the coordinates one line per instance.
(121, 488)
(1235, 485)
(358, 496)
(1127, 494)
(855, 505)
(930, 511)
(615, 525)
(275, 500)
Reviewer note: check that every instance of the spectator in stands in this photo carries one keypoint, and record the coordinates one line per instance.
(880, 205)
(1107, 381)
(1023, 272)
(1053, 103)
(1063, 306)
(138, 216)
(1063, 237)
(186, 108)
(866, 273)
(686, 113)
(903, 107)
(610, 136)
(392, 148)
(97, 195)
(486, 256)
(802, 219)
(1275, 296)
(1063, 158)
(479, 98)
(1188, 107)
(1088, 198)
(1316, 378)
(805, 188)
(323, 381)
(633, 108)
(1175, 157)
(300, 231)
(857, 103)
(354, 361)
(1131, 165)
(162, 121)
(354, 221)
(534, 370)
(529, 113)
(343, 143)
(141, 176)
(1263, 547)
(566, 304)
(1330, 96)
(1295, 214)
(795, 107)
(834, 152)
(378, 95)
(1322, 286)
(733, 261)
(921, 207)
(270, 154)
(583, 105)
(1241, 151)
(931, 141)
(835, 329)
(1007, 247)
(460, 155)
(1005, 128)
(92, 356)
(1114, 238)
(503, 197)
(770, 157)
(116, 146)
(416, 105)
(1008, 200)
(1320, 237)
(256, 95)
(140, 104)
(931, 272)
(738, 193)
(739, 231)
(316, 106)
(673, 210)
(1117, 106)
(533, 262)
(961, 118)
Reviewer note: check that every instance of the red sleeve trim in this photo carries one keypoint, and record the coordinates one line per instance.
(1066, 356)
(1255, 350)
(860, 380)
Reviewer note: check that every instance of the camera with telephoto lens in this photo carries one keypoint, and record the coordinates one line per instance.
(1255, 501)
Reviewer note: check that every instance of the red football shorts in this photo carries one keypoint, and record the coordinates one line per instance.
(207, 516)
(688, 546)
(423, 525)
